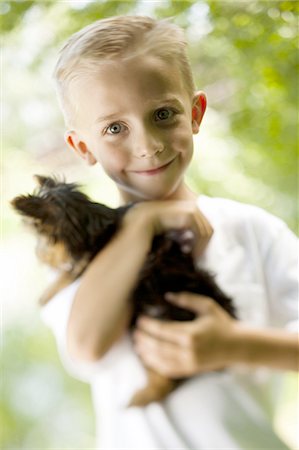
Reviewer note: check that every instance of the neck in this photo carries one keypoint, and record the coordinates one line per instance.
(182, 193)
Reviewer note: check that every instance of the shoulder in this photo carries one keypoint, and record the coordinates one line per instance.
(232, 212)
(56, 312)
(243, 222)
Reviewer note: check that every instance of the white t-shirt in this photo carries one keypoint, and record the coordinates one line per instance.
(254, 256)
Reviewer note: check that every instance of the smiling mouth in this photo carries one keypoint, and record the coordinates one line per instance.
(153, 171)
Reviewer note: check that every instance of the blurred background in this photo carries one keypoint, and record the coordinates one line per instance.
(245, 57)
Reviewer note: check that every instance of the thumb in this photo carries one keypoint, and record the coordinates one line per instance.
(197, 303)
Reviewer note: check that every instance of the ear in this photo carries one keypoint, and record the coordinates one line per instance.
(29, 206)
(75, 143)
(44, 181)
(199, 106)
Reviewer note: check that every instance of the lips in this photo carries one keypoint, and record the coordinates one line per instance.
(155, 170)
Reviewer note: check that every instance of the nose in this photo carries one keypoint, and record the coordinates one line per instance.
(147, 146)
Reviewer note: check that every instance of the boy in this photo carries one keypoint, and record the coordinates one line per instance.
(130, 104)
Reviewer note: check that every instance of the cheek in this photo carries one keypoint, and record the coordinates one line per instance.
(113, 159)
(182, 141)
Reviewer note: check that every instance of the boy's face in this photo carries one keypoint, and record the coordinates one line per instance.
(135, 119)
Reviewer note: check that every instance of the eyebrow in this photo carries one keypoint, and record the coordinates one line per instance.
(168, 100)
(165, 101)
(108, 117)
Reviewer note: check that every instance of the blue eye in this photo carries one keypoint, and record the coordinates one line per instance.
(164, 114)
(115, 128)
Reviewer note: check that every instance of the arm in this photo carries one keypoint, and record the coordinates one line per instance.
(211, 342)
(101, 309)
(273, 348)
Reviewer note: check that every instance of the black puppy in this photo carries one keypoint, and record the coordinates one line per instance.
(72, 229)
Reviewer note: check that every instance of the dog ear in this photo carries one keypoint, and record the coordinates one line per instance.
(44, 181)
(29, 206)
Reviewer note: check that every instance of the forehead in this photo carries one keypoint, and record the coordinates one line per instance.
(139, 81)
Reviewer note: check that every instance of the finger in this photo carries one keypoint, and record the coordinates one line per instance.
(168, 331)
(194, 302)
(201, 243)
(205, 234)
(165, 358)
(160, 365)
(145, 342)
(204, 225)
(199, 247)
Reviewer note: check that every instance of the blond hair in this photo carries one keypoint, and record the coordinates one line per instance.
(121, 38)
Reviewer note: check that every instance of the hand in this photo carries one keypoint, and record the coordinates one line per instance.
(172, 216)
(183, 349)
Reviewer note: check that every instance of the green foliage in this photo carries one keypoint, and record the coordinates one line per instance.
(250, 57)
(266, 101)
(12, 13)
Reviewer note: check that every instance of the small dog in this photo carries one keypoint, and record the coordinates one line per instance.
(72, 229)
